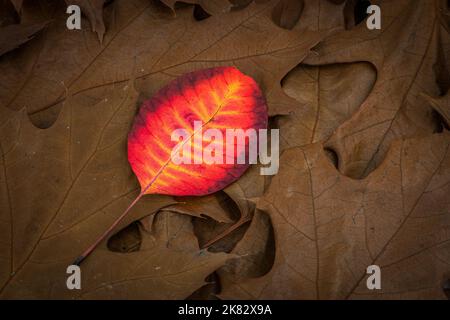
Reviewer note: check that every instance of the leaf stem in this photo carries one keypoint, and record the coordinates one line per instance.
(91, 248)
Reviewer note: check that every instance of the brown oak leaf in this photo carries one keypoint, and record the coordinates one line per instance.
(406, 55)
(328, 228)
(70, 63)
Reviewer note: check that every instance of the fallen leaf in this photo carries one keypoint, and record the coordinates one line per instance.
(328, 228)
(219, 99)
(404, 53)
(70, 63)
(168, 265)
(328, 94)
(331, 95)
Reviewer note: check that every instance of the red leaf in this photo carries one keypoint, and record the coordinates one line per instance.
(221, 98)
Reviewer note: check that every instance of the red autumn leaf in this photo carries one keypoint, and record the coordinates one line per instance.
(220, 98)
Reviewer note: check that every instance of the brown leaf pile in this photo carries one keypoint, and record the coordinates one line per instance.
(364, 172)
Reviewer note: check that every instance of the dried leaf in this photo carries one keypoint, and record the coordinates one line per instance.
(329, 228)
(217, 99)
(331, 94)
(168, 265)
(404, 53)
(327, 95)
(245, 38)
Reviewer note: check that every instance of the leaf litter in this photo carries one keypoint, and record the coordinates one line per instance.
(376, 101)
